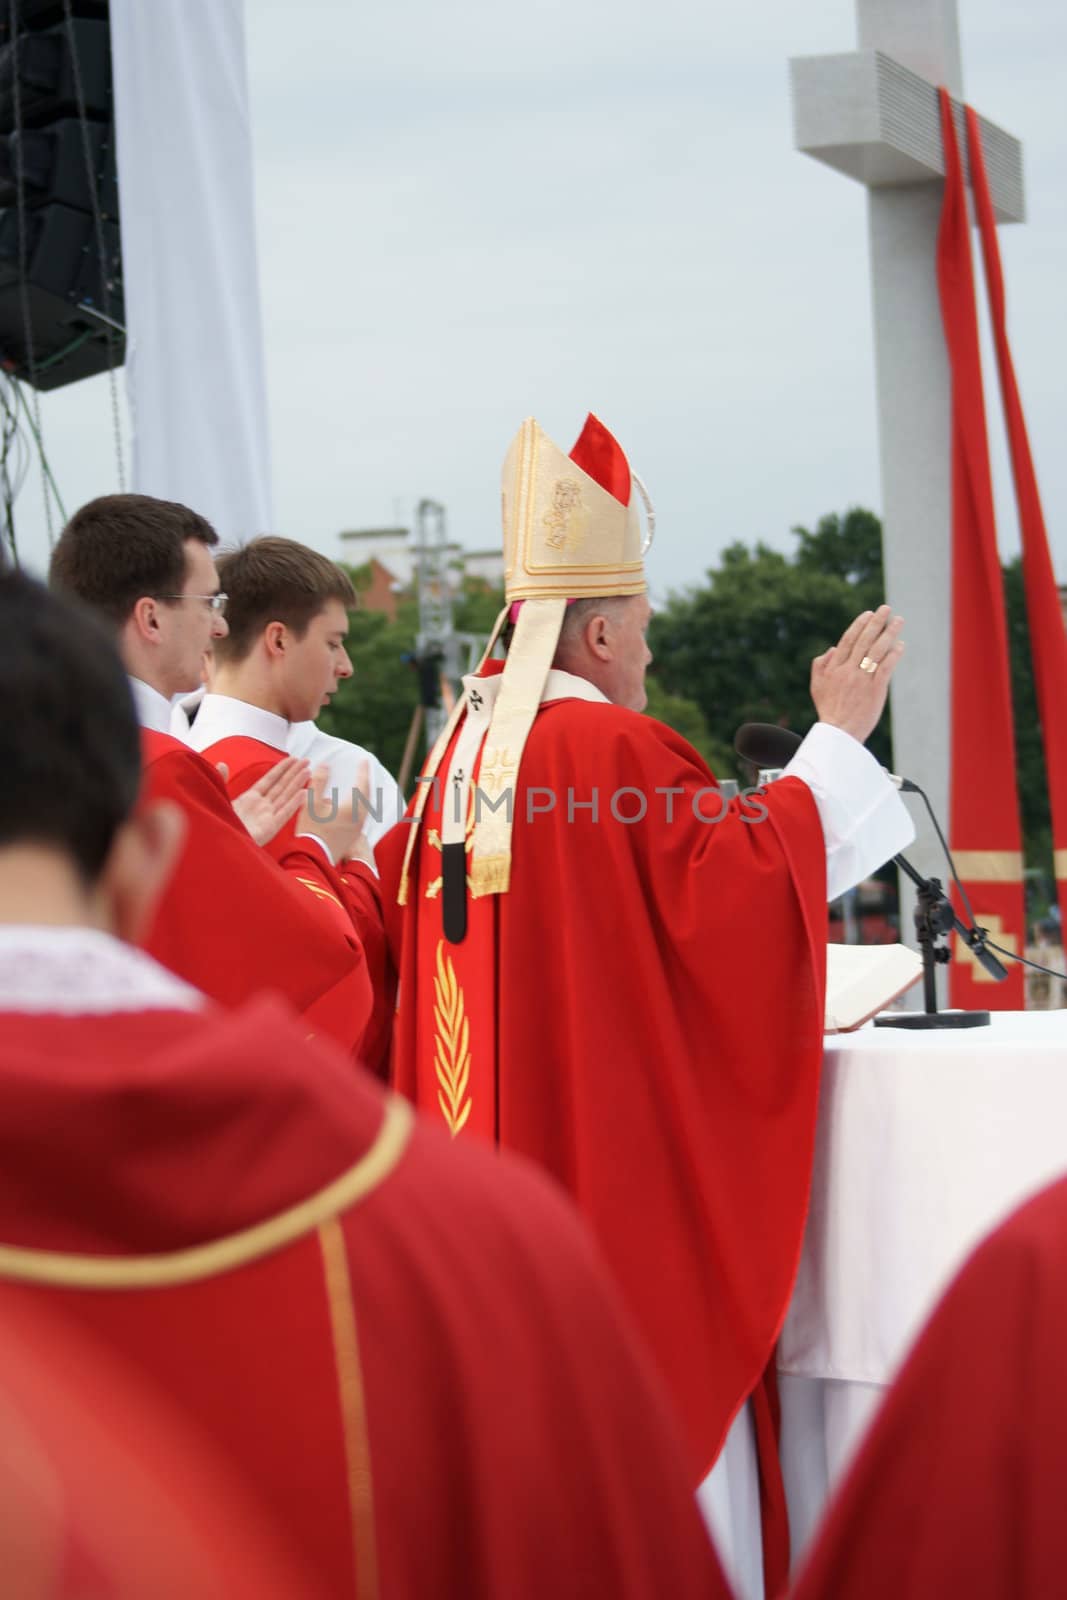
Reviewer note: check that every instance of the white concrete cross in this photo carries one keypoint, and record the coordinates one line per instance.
(874, 114)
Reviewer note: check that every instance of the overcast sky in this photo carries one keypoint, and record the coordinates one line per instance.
(470, 212)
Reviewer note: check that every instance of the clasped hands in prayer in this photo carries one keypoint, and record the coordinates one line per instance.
(291, 787)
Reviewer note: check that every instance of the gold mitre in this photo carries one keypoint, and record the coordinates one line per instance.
(571, 524)
(572, 531)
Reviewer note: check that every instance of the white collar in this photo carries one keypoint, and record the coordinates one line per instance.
(222, 717)
(153, 708)
(566, 686)
(182, 713)
(482, 692)
(71, 971)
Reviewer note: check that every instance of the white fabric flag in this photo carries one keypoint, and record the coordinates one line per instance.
(194, 365)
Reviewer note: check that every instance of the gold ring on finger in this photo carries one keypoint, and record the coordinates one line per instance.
(867, 665)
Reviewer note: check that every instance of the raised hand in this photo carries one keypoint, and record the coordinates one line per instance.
(267, 806)
(850, 681)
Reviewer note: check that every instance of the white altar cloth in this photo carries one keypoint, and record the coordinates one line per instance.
(925, 1141)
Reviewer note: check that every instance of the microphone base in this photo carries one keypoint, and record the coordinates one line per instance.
(933, 1019)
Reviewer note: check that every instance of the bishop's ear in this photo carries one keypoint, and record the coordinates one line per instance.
(138, 868)
(598, 636)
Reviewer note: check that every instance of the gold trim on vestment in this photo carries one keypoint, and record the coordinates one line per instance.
(989, 866)
(55, 1267)
(318, 889)
(436, 756)
(359, 1471)
(452, 1056)
(491, 876)
(533, 649)
(1059, 864)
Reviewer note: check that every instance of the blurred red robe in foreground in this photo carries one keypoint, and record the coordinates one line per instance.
(409, 1354)
(958, 1489)
(104, 1489)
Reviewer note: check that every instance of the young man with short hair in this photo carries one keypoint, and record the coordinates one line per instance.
(231, 922)
(406, 1352)
(278, 665)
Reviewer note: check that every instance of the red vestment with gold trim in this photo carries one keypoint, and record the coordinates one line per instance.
(642, 1015)
(234, 925)
(411, 1357)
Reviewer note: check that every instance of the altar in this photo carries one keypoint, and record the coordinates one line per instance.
(925, 1141)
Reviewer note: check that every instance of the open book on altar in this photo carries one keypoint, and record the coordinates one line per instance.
(862, 979)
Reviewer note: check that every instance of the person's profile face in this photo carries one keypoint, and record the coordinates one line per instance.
(632, 655)
(317, 662)
(194, 624)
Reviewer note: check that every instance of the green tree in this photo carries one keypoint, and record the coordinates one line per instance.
(848, 547)
(741, 645)
(1029, 752)
(374, 707)
(686, 718)
(477, 607)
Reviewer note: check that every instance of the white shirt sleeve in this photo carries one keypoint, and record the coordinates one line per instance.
(864, 821)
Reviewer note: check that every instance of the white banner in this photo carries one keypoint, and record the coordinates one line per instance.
(194, 365)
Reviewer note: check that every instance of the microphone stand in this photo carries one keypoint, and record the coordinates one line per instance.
(768, 747)
(935, 918)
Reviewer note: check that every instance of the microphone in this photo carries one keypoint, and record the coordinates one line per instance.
(768, 746)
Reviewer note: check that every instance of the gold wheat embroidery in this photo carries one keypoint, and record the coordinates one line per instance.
(452, 1042)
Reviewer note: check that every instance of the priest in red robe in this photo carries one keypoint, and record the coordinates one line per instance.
(607, 968)
(411, 1356)
(958, 1489)
(230, 921)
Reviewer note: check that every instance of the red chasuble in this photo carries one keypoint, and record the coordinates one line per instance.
(232, 924)
(984, 809)
(641, 1014)
(958, 1490)
(411, 1358)
(348, 895)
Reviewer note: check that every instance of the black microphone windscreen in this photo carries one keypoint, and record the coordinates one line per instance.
(765, 744)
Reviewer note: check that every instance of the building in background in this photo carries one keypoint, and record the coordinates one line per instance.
(390, 554)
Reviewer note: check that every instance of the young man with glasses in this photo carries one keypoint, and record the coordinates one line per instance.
(231, 922)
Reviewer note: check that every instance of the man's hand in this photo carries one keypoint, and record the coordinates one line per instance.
(266, 807)
(850, 681)
(338, 820)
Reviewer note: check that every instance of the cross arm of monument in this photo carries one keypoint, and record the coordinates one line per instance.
(874, 119)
